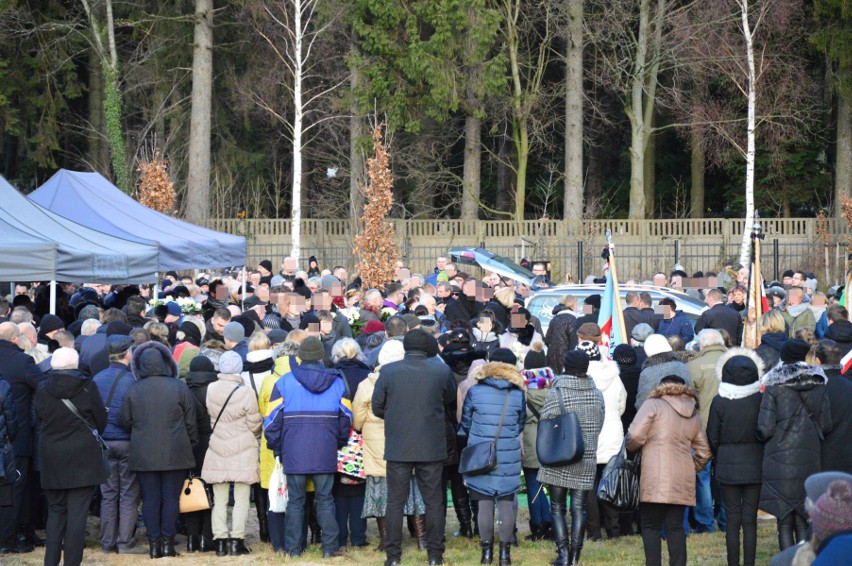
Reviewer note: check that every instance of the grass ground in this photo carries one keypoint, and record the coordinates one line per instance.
(705, 549)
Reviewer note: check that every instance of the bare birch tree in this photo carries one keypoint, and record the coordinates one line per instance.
(291, 28)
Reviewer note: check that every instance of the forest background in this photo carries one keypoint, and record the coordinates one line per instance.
(494, 109)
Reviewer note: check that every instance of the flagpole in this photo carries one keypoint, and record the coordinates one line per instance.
(617, 294)
(758, 303)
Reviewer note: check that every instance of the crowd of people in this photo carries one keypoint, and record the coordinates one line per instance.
(362, 402)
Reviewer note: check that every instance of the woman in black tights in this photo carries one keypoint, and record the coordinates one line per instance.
(737, 453)
(574, 391)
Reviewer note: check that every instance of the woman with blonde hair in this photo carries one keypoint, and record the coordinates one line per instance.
(773, 336)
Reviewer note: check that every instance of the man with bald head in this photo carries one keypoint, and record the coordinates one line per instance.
(23, 376)
(28, 342)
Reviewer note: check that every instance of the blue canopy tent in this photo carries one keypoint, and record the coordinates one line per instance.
(25, 256)
(91, 200)
(82, 254)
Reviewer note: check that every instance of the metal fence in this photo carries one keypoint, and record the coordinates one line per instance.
(579, 259)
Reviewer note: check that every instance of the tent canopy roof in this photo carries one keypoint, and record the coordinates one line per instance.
(82, 254)
(91, 200)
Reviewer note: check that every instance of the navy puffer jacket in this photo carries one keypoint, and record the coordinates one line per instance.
(481, 417)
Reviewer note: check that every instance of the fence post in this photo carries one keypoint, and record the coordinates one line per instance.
(580, 275)
(775, 259)
(677, 251)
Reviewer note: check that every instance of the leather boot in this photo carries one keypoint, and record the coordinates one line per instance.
(487, 551)
(207, 544)
(409, 521)
(574, 555)
(155, 548)
(420, 530)
(237, 547)
(261, 502)
(505, 553)
(169, 547)
(383, 534)
(193, 543)
(545, 532)
(221, 547)
(560, 535)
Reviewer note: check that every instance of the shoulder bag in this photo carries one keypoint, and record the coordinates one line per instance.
(619, 485)
(196, 495)
(98, 438)
(559, 440)
(481, 458)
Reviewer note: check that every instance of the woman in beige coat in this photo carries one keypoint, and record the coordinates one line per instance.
(373, 434)
(232, 454)
(667, 429)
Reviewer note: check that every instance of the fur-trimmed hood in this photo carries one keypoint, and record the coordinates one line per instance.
(604, 372)
(750, 354)
(500, 371)
(680, 397)
(142, 368)
(660, 358)
(799, 376)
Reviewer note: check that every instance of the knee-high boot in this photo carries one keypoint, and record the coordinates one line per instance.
(558, 497)
(261, 504)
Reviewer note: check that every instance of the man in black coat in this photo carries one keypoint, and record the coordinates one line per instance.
(638, 311)
(836, 452)
(413, 396)
(23, 376)
(720, 317)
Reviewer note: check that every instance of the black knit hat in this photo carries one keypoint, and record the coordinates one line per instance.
(420, 341)
(576, 363)
(201, 363)
(740, 370)
(624, 355)
(503, 355)
(118, 327)
(51, 322)
(535, 359)
(794, 351)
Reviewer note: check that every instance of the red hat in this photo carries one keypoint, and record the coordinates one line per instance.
(374, 326)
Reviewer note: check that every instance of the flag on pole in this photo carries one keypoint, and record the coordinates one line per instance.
(608, 317)
(846, 362)
(611, 317)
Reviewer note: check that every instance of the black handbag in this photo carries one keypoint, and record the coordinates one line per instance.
(559, 440)
(619, 486)
(481, 458)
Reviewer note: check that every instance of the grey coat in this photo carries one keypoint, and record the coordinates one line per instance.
(578, 395)
(655, 369)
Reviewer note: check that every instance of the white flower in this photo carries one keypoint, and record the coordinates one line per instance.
(188, 305)
(389, 311)
(352, 314)
(155, 302)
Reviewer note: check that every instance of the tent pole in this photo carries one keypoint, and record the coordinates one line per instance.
(156, 286)
(243, 295)
(12, 285)
(53, 296)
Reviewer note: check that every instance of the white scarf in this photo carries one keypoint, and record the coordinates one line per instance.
(731, 391)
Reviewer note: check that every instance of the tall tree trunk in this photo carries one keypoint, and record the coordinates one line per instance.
(98, 150)
(471, 179)
(573, 205)
(198, 177)
(637, 116)
(650, 172)
(520, 134)
(594, 180)
(843, 161)
(503, 199)
(697, 164)
(357, 171)
(750, 141)
(298, 110)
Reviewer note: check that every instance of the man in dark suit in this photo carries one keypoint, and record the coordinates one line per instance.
(638, 311)
(720, 317)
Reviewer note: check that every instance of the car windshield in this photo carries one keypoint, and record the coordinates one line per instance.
(512, 266)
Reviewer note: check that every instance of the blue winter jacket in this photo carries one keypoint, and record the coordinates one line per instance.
(91, 347)
(480, 419)
(313, 420)
(104, 380)
(678, 325)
